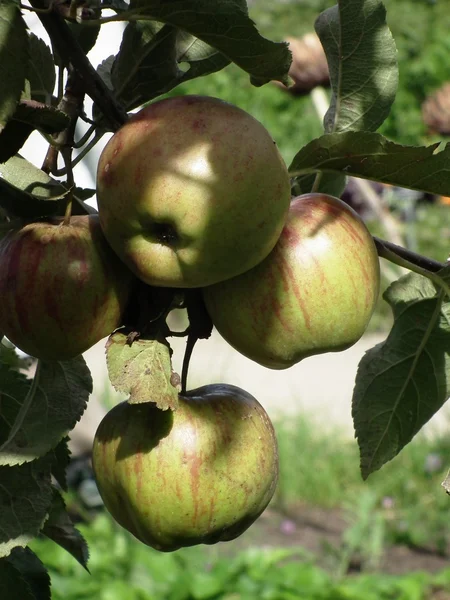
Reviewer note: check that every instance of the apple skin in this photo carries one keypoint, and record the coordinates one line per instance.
(200, 474)
(191, 191)
(314, 293)
(62, 288)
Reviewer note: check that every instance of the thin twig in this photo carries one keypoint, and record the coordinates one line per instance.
(71, 53)
(427, 267)
(389, 250)
(66, 153)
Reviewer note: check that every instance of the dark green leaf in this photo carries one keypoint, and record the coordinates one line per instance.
(143, 370)
(9, 357)
(32, 571)
(226, 26)
(42, 117)
(60, 529)
(14, 57)
(25, 498)
(117, 5)
(19, 203)
(41, 70)
(84, 193)
(371, 156)
(26, 191)
(330, 183)
(12, 138)
(26, 177)
(12, 583)
(362, 60)
(104, 70)
(37, 414)
(85, 35)
(154, 58)
(402, 382)
(61, 459)
(29, 115)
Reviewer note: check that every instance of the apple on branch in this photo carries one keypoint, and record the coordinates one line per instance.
(202, 473)
(191, 191)
(314, 293)
(62, 288)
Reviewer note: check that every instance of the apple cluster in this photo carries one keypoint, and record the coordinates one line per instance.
(192, 193)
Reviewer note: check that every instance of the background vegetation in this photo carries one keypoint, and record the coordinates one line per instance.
(421, 31)
(274, 560)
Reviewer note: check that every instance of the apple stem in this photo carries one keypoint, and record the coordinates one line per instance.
(191, 341)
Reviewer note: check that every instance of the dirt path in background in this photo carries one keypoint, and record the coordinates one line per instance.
(319, 532)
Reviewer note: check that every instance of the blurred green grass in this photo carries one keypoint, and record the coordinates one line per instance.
(401, 504)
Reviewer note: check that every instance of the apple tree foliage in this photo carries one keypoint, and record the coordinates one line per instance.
(401, 383)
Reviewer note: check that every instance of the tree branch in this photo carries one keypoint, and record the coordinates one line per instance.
(407, 258)
(72, 54)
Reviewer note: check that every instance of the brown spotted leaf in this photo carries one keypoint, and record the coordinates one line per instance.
(143, 369)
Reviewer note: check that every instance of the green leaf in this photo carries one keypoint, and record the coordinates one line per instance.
(226, 26)
(32, 571)
(37, 414)
(330, 183)
(28, 192)
(12, 582)
(104, 70)
(12, 138)
(41, 70)
(371, 156)
(85, 193)
(19, 203)
(143, 370)
(15, 58)
(86, 36)
(362, 60)
(42, 117)
(26, 177)
(9, 357)
(402, 382)
(154, 58)
(25, 497)
(29, 115)
(60, 529)
(116, 5)
(61, 459)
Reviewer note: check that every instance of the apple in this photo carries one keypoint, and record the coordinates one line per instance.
(200, 474)
(62, 288)
(314, 293)
(191, 191)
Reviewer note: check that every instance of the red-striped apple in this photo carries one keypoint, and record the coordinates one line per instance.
(314, 293)
(200, 474)
(191, 191)
(62, 288)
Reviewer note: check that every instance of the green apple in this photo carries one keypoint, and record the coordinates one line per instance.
(200, 474)
(62, 288)
(314, 293)
(191, 191)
